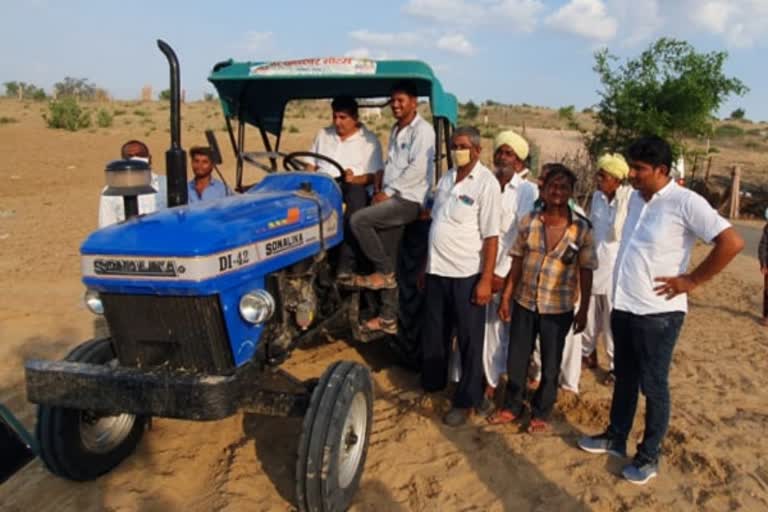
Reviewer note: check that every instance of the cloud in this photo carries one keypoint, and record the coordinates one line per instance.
(585, 18)
(646, 19)
(386, 38)
(359, 53)
(388, 45)
(518, 15)
(258, 42)
(742, 23)
(456, 43)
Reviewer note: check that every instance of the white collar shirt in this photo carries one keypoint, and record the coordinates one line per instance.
(517, 199)
(360, 152)
(464, 214)
(410, 167)
(656, 242)
(112, 210)
(603, 215)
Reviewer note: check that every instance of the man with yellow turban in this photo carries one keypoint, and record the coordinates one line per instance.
(510, 151)
(607, 213)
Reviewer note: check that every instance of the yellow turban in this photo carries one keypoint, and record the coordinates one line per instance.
(514, 141)
(614, 164)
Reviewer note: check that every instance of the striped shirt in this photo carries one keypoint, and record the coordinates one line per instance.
(550, 279)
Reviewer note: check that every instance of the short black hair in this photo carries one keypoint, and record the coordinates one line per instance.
(346, 104)
(652, 150)
(134, 142)
(201, 150)
(557, 171)
(406, 86)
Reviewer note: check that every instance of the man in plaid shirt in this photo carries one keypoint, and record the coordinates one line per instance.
(762, 256)
(553, 254)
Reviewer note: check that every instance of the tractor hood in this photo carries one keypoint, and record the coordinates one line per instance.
(287, 217)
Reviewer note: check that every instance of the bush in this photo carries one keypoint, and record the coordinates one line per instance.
(293, 129)
(208, 97)
(566, 113)
(104, 118)
(728, 131)
(66, 114)
(119, 112)
(8, 120)
(141, 113)
(739, 113)
(164, 95)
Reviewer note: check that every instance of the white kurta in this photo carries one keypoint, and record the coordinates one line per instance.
(517, 200)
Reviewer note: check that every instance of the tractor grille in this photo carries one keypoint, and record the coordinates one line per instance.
(174, 332)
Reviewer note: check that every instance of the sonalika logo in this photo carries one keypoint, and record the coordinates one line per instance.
(127, 267)
(284, 244)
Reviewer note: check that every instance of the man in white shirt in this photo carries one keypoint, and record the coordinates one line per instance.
(358, 151)
(518, 195)
(111, 209)
(607, 213)
(651, 286)
(399, 193)
(463, 242)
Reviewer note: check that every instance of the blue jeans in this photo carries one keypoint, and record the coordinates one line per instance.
(643, 346)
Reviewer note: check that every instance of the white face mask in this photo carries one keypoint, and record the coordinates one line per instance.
(461, 157)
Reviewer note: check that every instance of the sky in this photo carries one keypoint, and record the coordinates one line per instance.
(538, 52)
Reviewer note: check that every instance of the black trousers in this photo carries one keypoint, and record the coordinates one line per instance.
(551, 330)
(350, 255)
(449, 306)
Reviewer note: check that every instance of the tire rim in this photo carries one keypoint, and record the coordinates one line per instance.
(353, 439)
(102, 434)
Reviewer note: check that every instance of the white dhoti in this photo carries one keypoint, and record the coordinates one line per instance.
(598, 322)
(496, 342)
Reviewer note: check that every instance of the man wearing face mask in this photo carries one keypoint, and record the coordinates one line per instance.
(517, 199)
(111, 209)
(463, 243)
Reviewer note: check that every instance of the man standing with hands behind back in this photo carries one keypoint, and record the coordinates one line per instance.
(463, 241)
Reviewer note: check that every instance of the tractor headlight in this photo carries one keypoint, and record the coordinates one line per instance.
(93, 302)
(257, 306)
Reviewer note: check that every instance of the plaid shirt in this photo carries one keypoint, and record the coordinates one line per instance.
(762, 249)
(550, 279)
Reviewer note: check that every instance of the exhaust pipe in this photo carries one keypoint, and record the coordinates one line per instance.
(175, 157)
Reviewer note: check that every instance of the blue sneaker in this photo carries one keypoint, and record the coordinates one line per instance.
(604, 443)
(640, 471)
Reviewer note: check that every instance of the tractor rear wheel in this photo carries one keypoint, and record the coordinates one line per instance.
(334, 438)
(83, 445)
(411, 258)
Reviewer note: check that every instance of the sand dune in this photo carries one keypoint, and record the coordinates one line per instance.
(716, 453)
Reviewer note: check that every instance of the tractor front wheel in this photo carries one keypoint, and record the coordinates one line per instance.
(83, 445)
(334, 438)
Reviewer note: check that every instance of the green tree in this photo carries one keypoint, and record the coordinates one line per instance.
(670, 90)
(471, 110)
(78, 88)
(23, 90)
(739, 113)
(164, 95)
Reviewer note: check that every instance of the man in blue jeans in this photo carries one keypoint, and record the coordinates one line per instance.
(650, 297)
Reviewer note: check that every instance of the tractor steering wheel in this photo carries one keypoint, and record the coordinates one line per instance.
(291, 161)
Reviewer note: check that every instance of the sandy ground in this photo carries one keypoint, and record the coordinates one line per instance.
(716, 456)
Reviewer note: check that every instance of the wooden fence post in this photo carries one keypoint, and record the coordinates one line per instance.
(733, 211)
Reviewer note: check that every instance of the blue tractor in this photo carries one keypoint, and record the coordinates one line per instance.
(205, 301)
